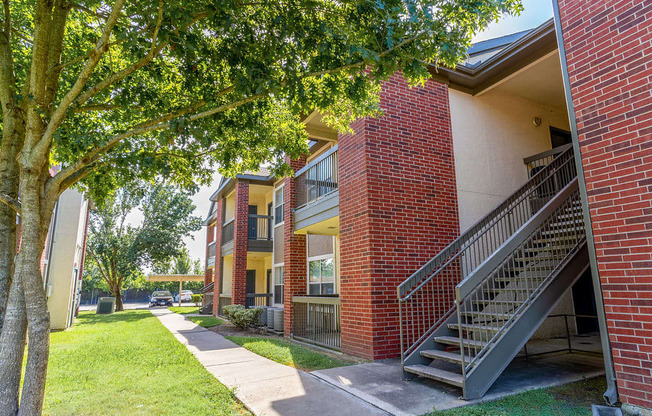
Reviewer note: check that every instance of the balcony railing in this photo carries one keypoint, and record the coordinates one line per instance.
(258, 299)
(210, 261)
(317, 179)
(260, 227)
(537, 162)
(317, 320)
(227, 232)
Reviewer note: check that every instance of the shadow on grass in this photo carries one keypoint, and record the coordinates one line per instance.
(124, 316)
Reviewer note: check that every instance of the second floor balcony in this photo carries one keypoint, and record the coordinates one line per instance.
(317, 196)
(259, 234)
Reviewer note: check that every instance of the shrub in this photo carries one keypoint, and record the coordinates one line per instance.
(196, 299)
(243, 317)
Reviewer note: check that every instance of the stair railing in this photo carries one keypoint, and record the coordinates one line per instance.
(427, 298)
(490, 299)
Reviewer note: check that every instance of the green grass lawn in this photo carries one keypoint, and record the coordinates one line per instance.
(184, 310)
(206, 321)
(572, 399)
(128, 363)
(291, 354)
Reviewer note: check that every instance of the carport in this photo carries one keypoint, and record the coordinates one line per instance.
(176, 278)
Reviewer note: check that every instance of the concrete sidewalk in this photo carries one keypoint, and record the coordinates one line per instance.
(264, 386)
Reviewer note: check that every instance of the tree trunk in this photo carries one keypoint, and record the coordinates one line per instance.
(12, 139)
(119, 307)
(37, 210)
(12, 348)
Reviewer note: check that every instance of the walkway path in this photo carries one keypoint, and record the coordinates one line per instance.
(264, 386)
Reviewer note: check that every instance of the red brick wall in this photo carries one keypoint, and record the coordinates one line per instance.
(398, 208)
(216, 274)
(240, 227)
(609, 49)
(294, 261)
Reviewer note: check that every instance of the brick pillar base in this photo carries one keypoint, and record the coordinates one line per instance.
(294, 251)
(240, 240)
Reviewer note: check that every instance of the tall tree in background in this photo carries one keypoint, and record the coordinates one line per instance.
(124, 89)
(119, 252)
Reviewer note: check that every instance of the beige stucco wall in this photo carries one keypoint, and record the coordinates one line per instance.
(227, 274)
(229, 207)
(260, 265)
(64, 261)
(492, 134)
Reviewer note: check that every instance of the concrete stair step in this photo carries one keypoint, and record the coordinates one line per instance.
(436, 374)
(451, 357)
(455, 341)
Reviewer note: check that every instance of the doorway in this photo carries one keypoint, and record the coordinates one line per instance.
(584, 302)
(251, 281)
(253, 222)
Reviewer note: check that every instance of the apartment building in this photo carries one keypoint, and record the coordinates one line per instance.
(501, 193)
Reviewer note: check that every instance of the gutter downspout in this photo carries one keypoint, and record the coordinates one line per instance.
(611, 395)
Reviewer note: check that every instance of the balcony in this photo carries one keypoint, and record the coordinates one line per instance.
(258, 299)
(317, 320)
(317, 196)
(259, 233)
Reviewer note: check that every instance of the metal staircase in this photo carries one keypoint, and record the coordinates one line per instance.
(467, 313)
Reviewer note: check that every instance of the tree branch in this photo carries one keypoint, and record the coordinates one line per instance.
(82, 78)
(11, 203)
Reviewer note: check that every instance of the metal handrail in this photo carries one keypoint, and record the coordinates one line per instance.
(208, 288)
(317, 320)
(528, 261)
(260, 227)
(427, 297)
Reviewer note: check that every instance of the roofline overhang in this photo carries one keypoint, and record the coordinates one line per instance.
(533, 46)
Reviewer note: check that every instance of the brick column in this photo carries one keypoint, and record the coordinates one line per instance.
(240, 240)
(398, 208)
(294, 250)
(608, 50)
(210, 237)
(217, 270)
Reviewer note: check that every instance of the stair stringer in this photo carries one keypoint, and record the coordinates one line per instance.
(490, 367)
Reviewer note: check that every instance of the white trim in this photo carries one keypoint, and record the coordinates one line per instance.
(323, 257)
(274, 206)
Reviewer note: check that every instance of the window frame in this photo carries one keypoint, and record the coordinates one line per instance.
(277, 205)
(274, 284)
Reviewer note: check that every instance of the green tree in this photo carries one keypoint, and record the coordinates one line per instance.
(119, 90)
(120, 252)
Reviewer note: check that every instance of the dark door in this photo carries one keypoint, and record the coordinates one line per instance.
(253, 222)
(251, 281)
(268, 285)
(584, 302)
(559, 137)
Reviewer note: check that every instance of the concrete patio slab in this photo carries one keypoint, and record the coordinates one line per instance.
(381, 384)
(265, 387)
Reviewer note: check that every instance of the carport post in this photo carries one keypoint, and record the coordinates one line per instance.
(180, 287)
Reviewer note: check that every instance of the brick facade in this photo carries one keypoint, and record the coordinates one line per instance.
(608, 48)
(240, 240)
(217, 275)
(294, 250)
(398, 208)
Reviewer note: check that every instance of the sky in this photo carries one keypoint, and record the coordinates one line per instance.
(535, 13)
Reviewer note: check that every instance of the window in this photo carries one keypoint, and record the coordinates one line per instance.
(321, 277)
(279, 205)
(278, 284)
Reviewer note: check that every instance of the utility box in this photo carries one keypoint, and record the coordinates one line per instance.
(105, 306)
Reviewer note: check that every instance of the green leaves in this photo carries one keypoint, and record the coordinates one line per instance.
(294, 56)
